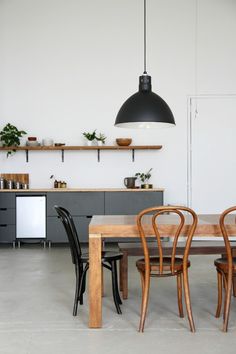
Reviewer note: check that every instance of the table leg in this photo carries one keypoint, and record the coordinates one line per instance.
(95, 281)
(234, 278)
(124, 274)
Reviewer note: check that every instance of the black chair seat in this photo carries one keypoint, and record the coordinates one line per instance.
(107, 256)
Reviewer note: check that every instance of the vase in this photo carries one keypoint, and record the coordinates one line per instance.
(89, 142)
(100, 143)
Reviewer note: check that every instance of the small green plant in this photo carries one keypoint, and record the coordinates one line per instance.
(10, 136)
(101, 137)
(90, 136)
(144, 177)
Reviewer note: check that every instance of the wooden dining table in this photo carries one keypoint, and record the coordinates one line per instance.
(123, 227)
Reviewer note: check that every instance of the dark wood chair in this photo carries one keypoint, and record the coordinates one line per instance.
(81, 261)
(226, 272)
(160, 266)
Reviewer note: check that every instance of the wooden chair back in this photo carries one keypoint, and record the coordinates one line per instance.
(156, 212)
(225, 235)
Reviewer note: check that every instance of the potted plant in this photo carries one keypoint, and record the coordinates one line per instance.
(144, 178)
(10, 136)
(90, 137)
(101, 138)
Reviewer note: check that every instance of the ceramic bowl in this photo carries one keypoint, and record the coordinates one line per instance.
(32, 143)
(123, 141)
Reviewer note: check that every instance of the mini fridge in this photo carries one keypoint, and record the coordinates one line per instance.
(30, 216)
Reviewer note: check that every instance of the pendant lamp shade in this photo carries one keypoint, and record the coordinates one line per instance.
(145, 109)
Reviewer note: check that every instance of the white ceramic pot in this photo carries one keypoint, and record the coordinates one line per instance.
(47, 142)
(100, 143)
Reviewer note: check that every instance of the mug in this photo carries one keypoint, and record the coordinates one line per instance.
(129, 182)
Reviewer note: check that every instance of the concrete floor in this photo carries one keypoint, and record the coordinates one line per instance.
(36, 298)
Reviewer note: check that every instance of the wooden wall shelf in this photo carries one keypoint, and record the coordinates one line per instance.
(82, 147)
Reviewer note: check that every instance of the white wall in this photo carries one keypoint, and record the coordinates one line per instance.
(66, 66)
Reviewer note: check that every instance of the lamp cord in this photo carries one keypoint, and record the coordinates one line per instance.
(145, 39)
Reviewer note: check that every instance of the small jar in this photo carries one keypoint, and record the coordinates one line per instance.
(10, 184)
(2, 183)
(17, 185)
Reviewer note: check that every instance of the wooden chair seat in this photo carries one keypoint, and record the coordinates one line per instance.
(155, 266)
(222, 264)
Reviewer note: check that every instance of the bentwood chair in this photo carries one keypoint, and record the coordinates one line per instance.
(81, 261)
(160, 266)
(226, 271)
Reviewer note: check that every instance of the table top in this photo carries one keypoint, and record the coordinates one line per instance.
(125, 225)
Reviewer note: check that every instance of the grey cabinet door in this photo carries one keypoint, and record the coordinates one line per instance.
(78, 203)
(7, 233)
(131, 203)
(7, 200)
(7, 216)
(57, 233)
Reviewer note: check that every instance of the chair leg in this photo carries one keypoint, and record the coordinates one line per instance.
(77, 286)
(145, 279)
(219, 302)
(179, 294)
(115, 286)
(124, 275)
(227, 300)
(187, 300)
(234, 286)
(80, 289)
(121, 275)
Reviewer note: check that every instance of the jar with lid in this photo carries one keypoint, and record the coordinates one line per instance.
(2, 183)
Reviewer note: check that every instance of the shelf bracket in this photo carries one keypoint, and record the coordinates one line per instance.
(133, 155)
(27, 155)
(98, 155)
(62, 155)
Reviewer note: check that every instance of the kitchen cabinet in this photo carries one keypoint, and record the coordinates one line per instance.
(81, 205)
(128, 203)
(7, 218)
(56, 232)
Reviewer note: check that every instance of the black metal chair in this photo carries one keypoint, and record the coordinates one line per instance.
(81, 261)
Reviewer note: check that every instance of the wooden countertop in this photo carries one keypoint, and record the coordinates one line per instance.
(81, 190)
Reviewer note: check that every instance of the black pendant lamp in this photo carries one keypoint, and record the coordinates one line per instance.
(144, 109)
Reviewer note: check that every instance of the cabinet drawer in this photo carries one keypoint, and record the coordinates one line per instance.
(7, 200)
(85, 203)
(7, 216)
(57, 233)
(131, 203)
(7, 233)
